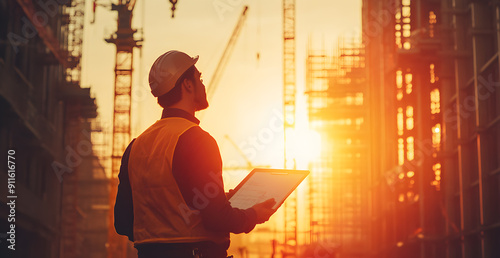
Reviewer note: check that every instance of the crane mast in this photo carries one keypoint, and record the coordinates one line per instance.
(289, 89)
(125, 43)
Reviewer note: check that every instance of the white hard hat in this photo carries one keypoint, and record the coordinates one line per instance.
(167, 69)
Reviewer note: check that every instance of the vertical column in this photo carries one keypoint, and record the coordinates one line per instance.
(289, 90)
(482, 28)
(466, 157)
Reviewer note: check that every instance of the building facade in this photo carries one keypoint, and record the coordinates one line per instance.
(433, 73)
(45, 126)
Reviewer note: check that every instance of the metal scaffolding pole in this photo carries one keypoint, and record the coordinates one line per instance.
(289, 90)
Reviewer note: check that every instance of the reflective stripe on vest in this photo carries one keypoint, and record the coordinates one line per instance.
(160, 213)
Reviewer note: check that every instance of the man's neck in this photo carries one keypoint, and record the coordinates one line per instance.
(185, 107)
(175, 112)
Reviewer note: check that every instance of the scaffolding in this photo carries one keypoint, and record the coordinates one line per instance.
(44, 115)
(289, 91)
(72, 216)
(320, 214)
(338, 203)
(75, 14)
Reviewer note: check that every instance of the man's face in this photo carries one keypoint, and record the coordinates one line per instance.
(200, 95)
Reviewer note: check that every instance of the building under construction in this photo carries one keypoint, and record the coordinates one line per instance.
(410, 134)
(59, 188)
(338, 201)
(433, 73)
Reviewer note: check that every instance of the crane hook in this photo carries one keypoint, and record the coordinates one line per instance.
(173, 6)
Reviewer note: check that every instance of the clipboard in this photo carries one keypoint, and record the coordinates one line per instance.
(263, 184)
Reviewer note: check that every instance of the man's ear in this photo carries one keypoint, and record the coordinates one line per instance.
(188, 85)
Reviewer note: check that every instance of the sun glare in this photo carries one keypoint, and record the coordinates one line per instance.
(305, 146)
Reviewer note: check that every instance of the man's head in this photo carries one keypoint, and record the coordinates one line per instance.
(174, 79)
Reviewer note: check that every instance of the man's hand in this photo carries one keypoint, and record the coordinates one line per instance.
(230, 193)
(264, 210)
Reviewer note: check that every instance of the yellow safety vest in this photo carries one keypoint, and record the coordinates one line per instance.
(160, 213)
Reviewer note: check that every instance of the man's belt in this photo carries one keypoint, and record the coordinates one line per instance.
(181, 250)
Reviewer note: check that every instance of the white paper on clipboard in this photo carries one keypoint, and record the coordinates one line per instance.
(263, 184)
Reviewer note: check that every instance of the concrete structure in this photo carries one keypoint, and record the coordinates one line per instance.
(433, 73)
(45, 122)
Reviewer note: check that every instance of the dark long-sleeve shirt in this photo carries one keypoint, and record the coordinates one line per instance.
(197, 168)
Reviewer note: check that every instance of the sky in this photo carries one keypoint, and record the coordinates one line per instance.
(247, 105)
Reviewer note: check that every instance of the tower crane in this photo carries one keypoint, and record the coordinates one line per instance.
(249, 163)
(125, 41)
(226, 55)
(289, 89)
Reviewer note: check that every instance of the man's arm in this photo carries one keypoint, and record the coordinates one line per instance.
(124, 208)
(197, 168)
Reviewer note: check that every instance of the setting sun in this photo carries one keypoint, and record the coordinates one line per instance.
(305, 146)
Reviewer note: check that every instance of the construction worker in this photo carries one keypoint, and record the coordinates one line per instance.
(171, 201)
